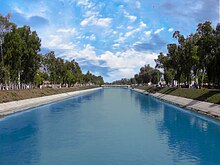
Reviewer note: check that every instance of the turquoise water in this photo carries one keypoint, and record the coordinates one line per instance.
(109, 127)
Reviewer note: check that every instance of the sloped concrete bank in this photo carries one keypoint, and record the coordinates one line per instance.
(202, 107)
(22, 105)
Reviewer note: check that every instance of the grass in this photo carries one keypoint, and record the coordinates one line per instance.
(208, 95)
(14, 95)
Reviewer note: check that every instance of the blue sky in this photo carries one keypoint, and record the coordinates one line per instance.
(112, 38)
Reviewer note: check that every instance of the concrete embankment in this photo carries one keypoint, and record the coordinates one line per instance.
(21, 105)
(202, 107)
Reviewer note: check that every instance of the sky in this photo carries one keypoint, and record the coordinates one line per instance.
(111, 38)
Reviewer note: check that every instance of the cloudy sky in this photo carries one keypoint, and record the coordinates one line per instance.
(112, 38)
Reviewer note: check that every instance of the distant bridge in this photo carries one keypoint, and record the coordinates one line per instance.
(118, 86)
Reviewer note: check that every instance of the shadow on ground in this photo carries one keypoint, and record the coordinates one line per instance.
(208, 95)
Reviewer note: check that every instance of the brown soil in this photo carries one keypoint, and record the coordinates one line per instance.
(14, 95)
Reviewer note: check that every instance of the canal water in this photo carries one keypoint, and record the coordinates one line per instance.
(109, 127)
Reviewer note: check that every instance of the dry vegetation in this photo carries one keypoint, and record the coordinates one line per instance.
(14, 95)
(208, 95)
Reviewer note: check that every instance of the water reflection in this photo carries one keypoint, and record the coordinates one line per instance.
(147, 104)
(15, 136)
(186, 134)
(110, 126)
(24, 136)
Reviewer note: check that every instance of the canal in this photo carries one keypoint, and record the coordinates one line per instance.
(112, 126)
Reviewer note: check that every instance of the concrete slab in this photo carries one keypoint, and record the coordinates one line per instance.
(21, 105)
(202, 107)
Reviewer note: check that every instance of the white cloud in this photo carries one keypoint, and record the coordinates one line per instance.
(121, 64)
(126, 64)
(130, 27)
(86, 21)
(143, 25)
(138, 4)
(18, 10)
(170, 29)
(67, 30)
(116, 45)
(66, 46)
(57, 42)
(54, 38)
(120, 27)
(121, 39)
(90, 13)
(148, 33)
(132, 18)
(140, 28)
(88, 52)
(130, 33)
(85, 3)
(158, 31)
(91, 37)
(102, 22)
(40, 9)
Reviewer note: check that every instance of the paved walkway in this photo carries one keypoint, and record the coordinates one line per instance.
(21, 105)
(210, 109)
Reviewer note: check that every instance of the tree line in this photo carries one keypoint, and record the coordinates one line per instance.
(146, 75)
(22, 62)
(195, 57)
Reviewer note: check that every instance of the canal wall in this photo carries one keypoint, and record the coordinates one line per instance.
(201, 107)
(22, 105)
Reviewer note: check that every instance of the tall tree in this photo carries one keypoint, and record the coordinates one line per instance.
(205, 48)
(14, 46)
(31, 57)
(5, 27)
(21, 48)
(49, 65)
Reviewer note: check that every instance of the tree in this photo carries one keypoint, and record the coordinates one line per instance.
(147, 74)
(156, 75)
(138, 78)
(70, 78)
(21, 49)
(169, 76)
(216, 59)
(31, 57)
(205, 49)
(5, 27)
(14, 47)
(38, 79)
(49, 65)
(163, 62)
(4, 74)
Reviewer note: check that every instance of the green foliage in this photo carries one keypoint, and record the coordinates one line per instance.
(169, 75)
(21, 47)
(90, 78)
(123, 81)
(4, 74)
(208, 95)
(196, 56)
(147, 74)
(38, 79)
(67, 72)
(156, 75)
(21, 62)
(69, 77)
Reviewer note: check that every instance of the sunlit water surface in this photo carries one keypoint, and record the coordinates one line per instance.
(109, 127)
